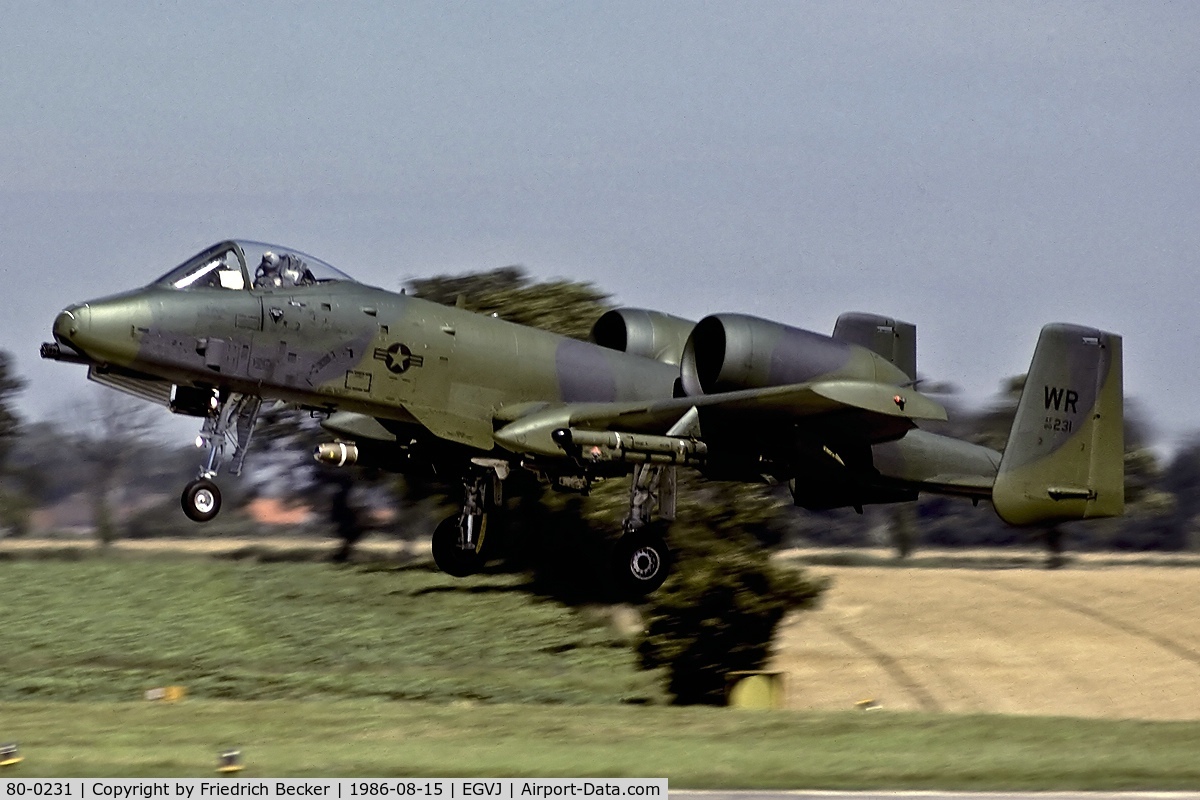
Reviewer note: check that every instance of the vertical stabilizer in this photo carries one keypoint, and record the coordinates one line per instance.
(1065, 455)
(894, 340)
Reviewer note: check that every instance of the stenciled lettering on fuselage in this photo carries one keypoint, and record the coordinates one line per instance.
(398, 358)
(1064, 400)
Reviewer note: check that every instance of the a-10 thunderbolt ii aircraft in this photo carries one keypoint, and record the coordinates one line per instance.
(403, 382)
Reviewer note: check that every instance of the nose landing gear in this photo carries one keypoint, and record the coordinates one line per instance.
(230, 420)
(201, 500)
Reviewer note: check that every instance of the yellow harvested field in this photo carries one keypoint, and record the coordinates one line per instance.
(1118, 642)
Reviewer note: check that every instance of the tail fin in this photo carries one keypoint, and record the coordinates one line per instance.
(894, 340)
(1065, 454)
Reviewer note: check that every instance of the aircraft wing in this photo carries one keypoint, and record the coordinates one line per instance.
(357, 426)
(871, 411)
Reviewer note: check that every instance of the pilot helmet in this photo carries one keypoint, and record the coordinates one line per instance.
(269, 261)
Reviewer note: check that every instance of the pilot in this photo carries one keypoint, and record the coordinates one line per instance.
(268, 273)
(294, 272)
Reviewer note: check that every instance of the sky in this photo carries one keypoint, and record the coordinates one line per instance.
(979, 169)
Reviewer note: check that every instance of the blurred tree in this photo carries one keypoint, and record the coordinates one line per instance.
(118, 433)
(285, 439)
(15, 504)
(1181, 479)
(992, 426)
(52, 460)
(564, 307)
(721, 607)
(10, 386)
(102, 448)
(1161, 503)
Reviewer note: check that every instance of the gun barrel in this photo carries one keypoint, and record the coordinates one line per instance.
(53, 351)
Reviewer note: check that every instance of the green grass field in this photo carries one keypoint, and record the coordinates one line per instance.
(108, 628)
(693, 747)
(382, 670)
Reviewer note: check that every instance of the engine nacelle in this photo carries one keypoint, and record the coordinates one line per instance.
(650, 334)
(728, 352)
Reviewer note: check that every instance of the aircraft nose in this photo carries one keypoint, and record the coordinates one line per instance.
(104, 330)
(70, 322)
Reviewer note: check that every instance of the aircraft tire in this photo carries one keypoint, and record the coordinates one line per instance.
(641, 562)
(201, 500)
(449, 557)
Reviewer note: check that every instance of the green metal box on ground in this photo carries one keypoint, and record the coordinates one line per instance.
(754, 689)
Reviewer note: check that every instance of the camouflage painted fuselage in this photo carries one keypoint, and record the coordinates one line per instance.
(357, 348)
(739, 397)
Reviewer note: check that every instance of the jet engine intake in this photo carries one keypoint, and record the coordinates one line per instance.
(650, 334)
(729, 352)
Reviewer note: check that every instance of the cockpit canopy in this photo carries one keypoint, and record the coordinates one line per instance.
(240, 265)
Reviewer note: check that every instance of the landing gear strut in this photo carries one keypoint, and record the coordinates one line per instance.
(230, 420)
(641, 558)
(458, 539)
(453, 552)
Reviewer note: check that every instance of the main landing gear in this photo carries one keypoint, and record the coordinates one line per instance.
(230, 419)
(641, 559)
(458, 539)
(201, 500)
(641, 562)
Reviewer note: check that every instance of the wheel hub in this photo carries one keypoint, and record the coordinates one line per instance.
(204, 501)
(645, 563)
